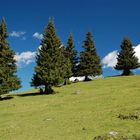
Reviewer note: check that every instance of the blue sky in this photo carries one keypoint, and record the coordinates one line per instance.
(109, 20)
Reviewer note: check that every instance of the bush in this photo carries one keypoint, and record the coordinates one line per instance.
(128, 117)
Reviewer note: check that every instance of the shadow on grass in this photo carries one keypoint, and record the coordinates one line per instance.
(6, 98)
(32, 94)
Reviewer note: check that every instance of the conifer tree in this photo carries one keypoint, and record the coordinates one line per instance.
(126, 58)
(71, 53)
(8, 78)
(68, 67)
(89, 60)
(51, 67)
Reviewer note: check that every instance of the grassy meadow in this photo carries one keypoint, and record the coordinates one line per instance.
(70, 116)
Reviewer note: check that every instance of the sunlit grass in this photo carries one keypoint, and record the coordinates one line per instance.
(70, 116)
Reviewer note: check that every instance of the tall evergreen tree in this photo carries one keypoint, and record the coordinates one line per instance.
(67, 66)
(51, 67)
(126, 58)
(8, 78)
(71, 53)
(89, 60)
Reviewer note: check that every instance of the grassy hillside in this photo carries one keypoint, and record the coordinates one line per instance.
(70, 116)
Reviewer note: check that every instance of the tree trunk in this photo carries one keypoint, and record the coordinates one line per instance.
(66, 81)
(41, 90)
(86, 78)
(127, 72)
(48, 89)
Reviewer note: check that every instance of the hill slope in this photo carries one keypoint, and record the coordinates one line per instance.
(70, 116)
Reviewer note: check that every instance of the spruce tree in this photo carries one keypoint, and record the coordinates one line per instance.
(89, 60)
(126, 58)
(71, 53)
(67, 66)
(51, 67)
(8, 78)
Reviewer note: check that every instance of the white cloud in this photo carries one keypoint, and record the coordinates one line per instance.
(25, 58)
(110, 60)
(37, 35)
(137, 50)
(17, 34)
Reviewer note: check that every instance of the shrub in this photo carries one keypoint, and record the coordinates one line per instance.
(128, 117)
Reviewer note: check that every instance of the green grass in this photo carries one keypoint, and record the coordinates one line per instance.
(70, 116)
